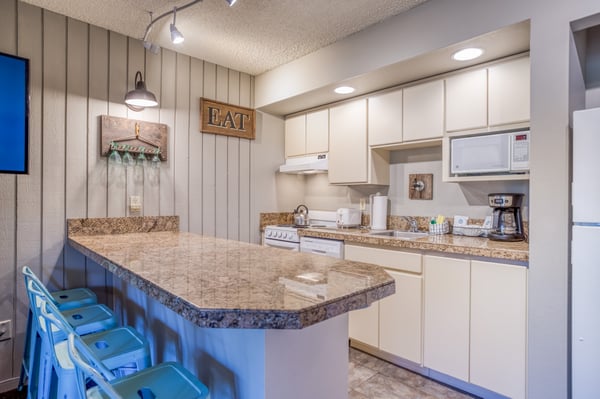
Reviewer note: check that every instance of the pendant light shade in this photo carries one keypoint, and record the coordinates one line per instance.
(140, 98)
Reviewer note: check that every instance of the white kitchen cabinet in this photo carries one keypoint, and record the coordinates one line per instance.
(509, 92)
(423, 111)
(385, 118)
(317, 132)
(295, 136)
(397, 328)
(498, 327)
(350, 160)
(466, 101)
(363, 325)
(446, 315)
(307, 134)
(348, 142)
(400, 318)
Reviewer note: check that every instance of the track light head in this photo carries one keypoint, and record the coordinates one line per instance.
(231, 2)
(176, 36)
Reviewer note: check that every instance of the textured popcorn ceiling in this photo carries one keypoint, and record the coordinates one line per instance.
(253, 36)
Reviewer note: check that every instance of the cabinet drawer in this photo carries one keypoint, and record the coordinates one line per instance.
(391, 259)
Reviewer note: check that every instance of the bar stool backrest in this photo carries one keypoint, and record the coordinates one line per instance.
(86, 366)
(41, 289)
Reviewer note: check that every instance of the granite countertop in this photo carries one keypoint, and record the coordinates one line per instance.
(228, 284)
(446, 243)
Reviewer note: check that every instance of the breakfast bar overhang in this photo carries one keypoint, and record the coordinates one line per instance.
(250, 321)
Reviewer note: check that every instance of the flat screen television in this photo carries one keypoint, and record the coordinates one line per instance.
(14, 113)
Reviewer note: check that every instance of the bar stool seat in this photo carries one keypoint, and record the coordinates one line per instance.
(122, 351)
(164, 381)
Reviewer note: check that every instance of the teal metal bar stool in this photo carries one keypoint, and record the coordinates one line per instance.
(164, 381)
(83, 320)
(64, 299)
(121, 350)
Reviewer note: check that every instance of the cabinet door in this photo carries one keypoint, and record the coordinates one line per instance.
(295, 136)
(317, 132)
(363, 325)
(423, 115)
(385, 118)
(466, 101)
(348, 142)
(400, 318)
(498, 327)
(509, 92)
(446, 321)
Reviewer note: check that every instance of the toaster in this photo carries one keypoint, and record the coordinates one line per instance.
(348, 217)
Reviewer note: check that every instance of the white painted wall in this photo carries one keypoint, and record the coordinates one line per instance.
(437, 24)
(449, 199)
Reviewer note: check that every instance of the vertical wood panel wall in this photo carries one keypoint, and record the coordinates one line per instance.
(77, 73)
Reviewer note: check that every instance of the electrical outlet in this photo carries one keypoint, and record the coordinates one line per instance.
(135, 203)
(5, 330)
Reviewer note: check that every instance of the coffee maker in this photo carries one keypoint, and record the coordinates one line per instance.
(507, 221)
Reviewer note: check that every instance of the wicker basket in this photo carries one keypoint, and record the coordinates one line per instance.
(471, 230)
(442, 228)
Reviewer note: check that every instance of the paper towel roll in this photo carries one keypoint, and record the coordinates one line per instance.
(379, 212)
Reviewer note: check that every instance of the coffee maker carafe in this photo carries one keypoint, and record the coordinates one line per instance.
(507, 221)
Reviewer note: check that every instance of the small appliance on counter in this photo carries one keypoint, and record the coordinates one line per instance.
(301, 216)
(507, 222)
(348, 217)
(379, 207)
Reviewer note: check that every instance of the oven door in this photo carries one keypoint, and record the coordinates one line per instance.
(290, 246)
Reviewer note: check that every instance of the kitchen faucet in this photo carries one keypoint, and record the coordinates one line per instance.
(413, 228)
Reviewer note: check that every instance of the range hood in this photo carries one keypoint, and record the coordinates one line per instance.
(306, 164)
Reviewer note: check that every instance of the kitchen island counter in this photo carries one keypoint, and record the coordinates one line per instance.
(231, 284)
(250, 321)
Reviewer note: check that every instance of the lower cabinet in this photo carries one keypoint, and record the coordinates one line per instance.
(475, 322)
(393, 324)
(446, 334)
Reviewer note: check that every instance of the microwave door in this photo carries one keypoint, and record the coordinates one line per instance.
(482, 154)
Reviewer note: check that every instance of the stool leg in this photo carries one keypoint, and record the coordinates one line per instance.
(29, 337)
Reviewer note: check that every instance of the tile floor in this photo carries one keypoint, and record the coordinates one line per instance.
(373, 378)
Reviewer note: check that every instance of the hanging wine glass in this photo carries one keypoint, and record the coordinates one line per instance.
(141, 158)
(127, 158)
(155, 159)
(114, 157)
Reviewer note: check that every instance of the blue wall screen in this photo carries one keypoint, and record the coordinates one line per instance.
(14, 106)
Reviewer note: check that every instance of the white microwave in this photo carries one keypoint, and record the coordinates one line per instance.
(490, 154)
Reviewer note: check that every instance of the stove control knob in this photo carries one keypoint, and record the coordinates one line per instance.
(279, 234)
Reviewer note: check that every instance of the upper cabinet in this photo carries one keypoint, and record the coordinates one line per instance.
(509, 92)
(489, 98)
(317, 132)
(385, 118)
(466, 101)
(307, 134)
(350, 159)
(423, 111)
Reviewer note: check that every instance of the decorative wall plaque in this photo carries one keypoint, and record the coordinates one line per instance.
(226, 119)
(134, 136)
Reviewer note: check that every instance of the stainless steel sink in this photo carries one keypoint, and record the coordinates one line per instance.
(404, 235)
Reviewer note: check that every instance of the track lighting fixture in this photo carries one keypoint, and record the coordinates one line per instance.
(140, 98)
(176, 35)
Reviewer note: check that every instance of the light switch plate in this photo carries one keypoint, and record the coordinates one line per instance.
(135, 203)
(5, 330)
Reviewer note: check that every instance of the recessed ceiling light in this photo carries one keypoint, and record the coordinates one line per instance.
(467, 54)
(344, 90)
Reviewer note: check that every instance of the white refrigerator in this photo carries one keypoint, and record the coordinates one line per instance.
(585, 255)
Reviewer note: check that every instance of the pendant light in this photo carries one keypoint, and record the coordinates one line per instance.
(140, 98)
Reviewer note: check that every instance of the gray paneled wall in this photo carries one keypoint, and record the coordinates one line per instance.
(77, 73)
